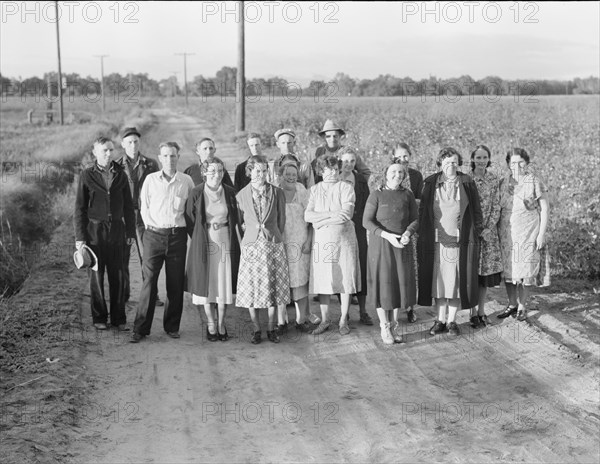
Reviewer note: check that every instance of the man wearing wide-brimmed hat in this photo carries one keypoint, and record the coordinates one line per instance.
(136, 167)
(286, 142)
(332, 135)
(104, 221)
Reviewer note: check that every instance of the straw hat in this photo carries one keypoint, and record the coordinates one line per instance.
(331, 126)
(85, 257)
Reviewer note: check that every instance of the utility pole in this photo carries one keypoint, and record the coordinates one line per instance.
(102, 80)
(60, 96)
(241, 80)
(174, 83)
(185, 55)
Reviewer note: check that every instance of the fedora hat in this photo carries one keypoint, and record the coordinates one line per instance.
(85, 257)
(331, 126)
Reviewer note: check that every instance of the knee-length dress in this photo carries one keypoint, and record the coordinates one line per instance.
(294, 236)
(334, 265)
(219, 278)
(390, 271)
(518, 228)
(263, 279)
(446, 217)
(490, 257)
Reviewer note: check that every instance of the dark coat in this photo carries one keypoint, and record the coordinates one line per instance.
(240, 178)
(94, 202)
(197, 265)
(144, 167)
(274, 222)
(470, 230)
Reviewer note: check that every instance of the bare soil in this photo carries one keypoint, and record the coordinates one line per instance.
(512, 392)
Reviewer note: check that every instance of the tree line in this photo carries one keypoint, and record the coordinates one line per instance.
(224, 84)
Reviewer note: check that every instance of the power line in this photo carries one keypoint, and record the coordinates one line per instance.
(102, 80)
(185, 55)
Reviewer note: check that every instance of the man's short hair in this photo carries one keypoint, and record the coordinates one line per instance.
(101, 141)
(205, 139)
(169, 145)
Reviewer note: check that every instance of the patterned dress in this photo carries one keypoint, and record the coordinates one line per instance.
(519, 227)
(294, 236)
(263, 279)
(334, 265)
(490, 258)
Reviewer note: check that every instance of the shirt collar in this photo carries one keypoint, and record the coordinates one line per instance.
(173, 179)
(443, 179)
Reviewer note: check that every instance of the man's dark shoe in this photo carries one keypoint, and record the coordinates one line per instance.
(173, 334)
(438, 327)
(159, 302)
(365, 319)
(122, 328)
(136, 337)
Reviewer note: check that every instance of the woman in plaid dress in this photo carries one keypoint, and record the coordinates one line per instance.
(263, 280)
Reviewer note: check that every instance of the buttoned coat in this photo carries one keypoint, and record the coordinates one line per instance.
(471, 226)
(197, 264)
(272, 225)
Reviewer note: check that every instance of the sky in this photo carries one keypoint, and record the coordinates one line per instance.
(302, 41)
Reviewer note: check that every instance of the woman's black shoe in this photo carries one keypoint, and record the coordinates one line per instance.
(224, 337)
(272, 336)
(438, 327)
(256, 338)
(509, 311)
(211, 337)
(475, 322)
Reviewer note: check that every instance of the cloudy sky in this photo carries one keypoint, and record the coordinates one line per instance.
(303, 41)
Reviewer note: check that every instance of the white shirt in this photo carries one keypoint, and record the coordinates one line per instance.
(162, 202)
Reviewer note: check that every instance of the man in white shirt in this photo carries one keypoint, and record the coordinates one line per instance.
(162, 204)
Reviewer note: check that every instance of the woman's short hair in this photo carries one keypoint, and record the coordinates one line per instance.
(345, 150)
(401, 146)
(517, 152)
(206, 163)
(254, 160)
(287, 161)
(328, 161)
(383, 181)
(447, 153)
(484, 148)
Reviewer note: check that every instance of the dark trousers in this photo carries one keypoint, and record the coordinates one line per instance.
(139, 230)
(107, 241)
(169, 249)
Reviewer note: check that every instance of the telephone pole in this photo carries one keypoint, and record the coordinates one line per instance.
(185, 55)
(241, 80)
(102, 80)
(174, 83)
(60, 96)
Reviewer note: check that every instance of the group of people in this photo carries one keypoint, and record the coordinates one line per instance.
(287, 228)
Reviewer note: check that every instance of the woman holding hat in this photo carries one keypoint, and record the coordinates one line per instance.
(522, 228)
(213, 259)
(335, 266)
(391, 217)
(264, 279)
(450, 224)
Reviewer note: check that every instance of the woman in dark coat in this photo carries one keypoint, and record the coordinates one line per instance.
(348, 157)
(212, 264)
(450, 224)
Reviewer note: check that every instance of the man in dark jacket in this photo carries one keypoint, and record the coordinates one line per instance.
(255, 146)
(136, 166)
(104, 221)
(205, 149)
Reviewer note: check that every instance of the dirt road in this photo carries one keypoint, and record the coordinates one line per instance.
(506, 393)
